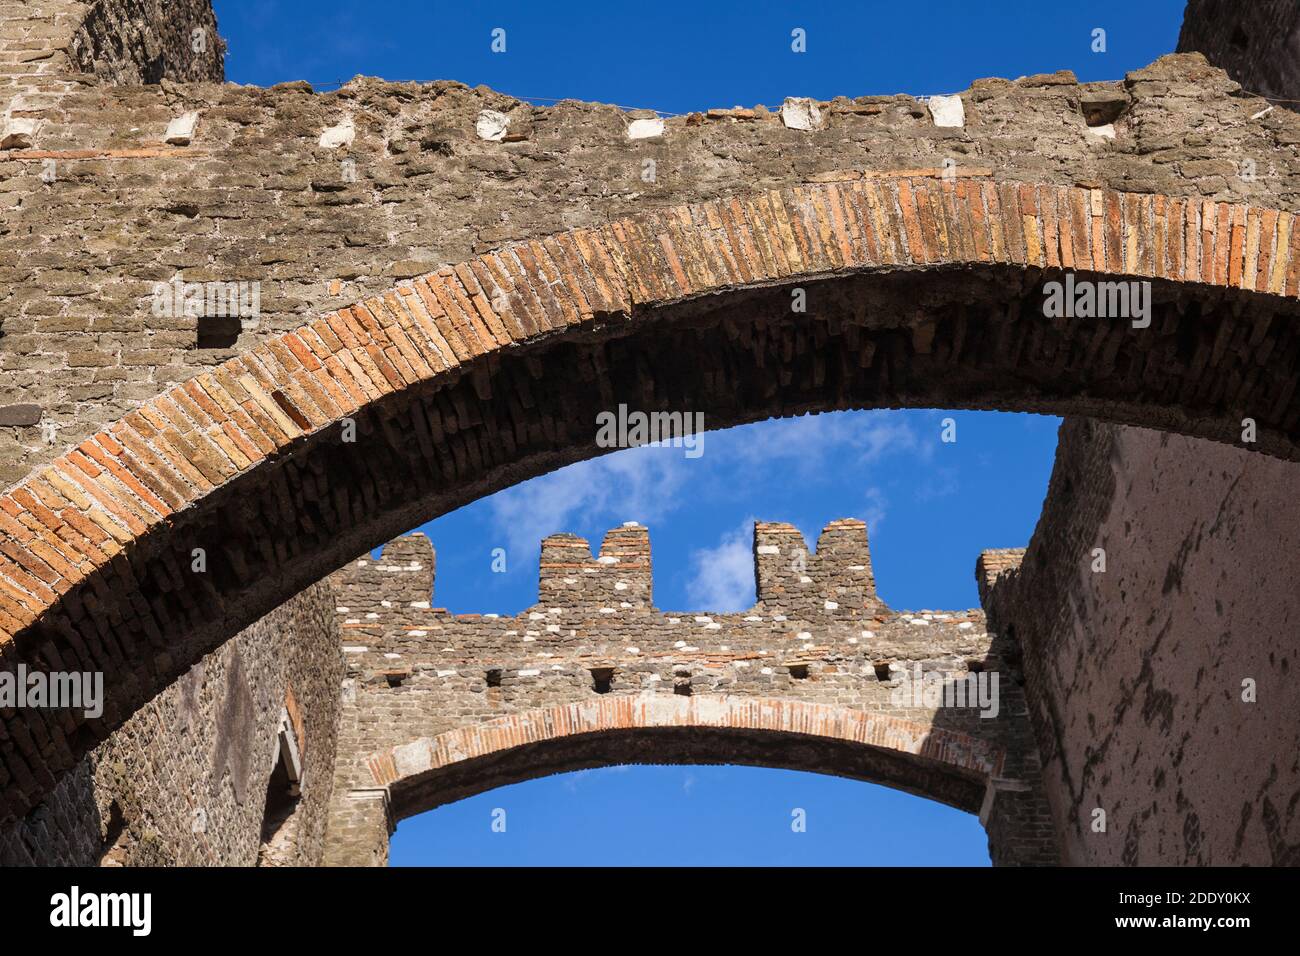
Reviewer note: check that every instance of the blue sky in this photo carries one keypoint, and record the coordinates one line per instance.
(930, 506)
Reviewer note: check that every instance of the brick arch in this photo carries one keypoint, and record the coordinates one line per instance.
(919, 290)
(932, 762)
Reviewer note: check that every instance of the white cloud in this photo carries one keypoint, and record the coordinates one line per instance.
(636, 484)
(723, 576)
(810, 443)
(940, 483)
(646, 484)
(873, 512)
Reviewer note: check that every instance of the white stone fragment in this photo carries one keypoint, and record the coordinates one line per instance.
(492, 125)
(417, 633)
(804, 636)
(422, 605)
(530, 673)
(800, 112)
(634, 650)
(753, 617)
(680, 644)
(804, 579)
(620, 586)
(181, 129)
(645, 129)
(965, 626)
(341, 135)
(768, 549)
(342, 610)
(352, 620)
(413, 758)
(631, 524)
(947, 110)
(608, 610)
(372, 616)
(446, 673)
(385, 603)
(18, 132)
(491, 617)
(765, 670)
(607, 559)
(1105, 132)
(354, 649)
(713, 627)
(832, 606)
(700, 619)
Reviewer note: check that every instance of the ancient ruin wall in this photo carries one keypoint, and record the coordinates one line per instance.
(427, 690)
(1198, 596)
(184, 780)
(1160, 688)
(44, 45)
(322, 198)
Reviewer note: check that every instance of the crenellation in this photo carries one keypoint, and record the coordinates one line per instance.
(837, 580)
(619, 577)
(416, 673)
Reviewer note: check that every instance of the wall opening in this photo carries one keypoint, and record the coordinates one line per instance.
(601, 679)
(635, 814)
(283, 795)
(218, 331)
(116, 838)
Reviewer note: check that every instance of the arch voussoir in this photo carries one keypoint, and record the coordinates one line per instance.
(955, 752)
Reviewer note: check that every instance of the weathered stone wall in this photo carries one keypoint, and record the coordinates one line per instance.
(184, 780)
(1256, 42)
(416, 672)
(256, 197)
(1136, 675)
(44, 44)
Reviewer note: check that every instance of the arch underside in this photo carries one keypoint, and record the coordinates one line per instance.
(958, 335)
(920, 776)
